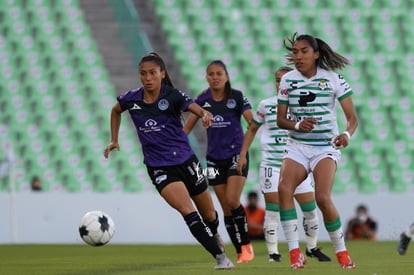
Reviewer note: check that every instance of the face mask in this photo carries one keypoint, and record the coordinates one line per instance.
(362, 218)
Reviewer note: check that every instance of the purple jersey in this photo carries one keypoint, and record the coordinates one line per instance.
(159, 126)
(225, 136)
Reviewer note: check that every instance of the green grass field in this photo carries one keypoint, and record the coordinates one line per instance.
(371, 258)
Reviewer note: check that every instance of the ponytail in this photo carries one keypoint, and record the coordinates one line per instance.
(328, 58)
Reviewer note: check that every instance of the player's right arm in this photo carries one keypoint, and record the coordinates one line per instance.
(115, 124)
(190, 123)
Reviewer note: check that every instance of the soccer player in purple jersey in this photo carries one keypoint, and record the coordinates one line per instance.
(225, 138)
(172, 165)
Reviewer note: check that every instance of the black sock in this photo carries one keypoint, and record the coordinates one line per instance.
(239, 217)
(202, 233)
(213, 225)
(233, 232)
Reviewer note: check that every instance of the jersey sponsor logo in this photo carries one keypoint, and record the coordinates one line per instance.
(284, 92)
(306, 97)
(151, 126)
(219, 122)
(231, 103)
(163, 104)
(150, 123)
(206, 105)
(135, 107)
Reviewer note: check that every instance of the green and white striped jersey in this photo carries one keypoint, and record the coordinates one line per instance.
(272, 139)
(314, 98)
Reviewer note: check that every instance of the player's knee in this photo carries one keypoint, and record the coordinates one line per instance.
(233, 203)
(323, 201)
(284, 188)
(210, 216)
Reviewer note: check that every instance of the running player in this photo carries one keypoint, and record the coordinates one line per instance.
(273, 142)
(155, 110)
(225, 137)
(310, 93)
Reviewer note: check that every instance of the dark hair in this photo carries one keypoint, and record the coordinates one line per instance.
(362, 207)
(283, 69)
(156, 58)
(252, 195)
(227, 85)
(328, 58)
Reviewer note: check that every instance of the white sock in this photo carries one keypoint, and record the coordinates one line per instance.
(338, 240)
(311, 227)
(410, 231)
(271, 231)
(290, 229)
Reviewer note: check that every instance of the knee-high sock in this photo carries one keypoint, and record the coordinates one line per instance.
(271, 222)
(202, 233)
(289, 221)
(310, 223)
(233, 233)
(336, 234)
(213, 224)
(239, 216)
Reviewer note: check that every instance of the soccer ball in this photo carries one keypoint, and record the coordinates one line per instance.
(96, 228)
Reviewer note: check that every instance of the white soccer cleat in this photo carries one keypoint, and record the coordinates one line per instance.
(223, 262)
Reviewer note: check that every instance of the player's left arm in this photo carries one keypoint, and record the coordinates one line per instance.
(342, 140)
(248, 116)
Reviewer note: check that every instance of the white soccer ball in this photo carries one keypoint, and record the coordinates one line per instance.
(96, 228)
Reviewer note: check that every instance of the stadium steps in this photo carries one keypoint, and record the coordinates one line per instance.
(105, 31)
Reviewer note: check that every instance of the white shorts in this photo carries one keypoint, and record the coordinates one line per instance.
(309, 155)
(269, 181)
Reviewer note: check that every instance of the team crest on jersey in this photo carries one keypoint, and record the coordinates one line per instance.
(231, 103)
(163, 104)
(322, 84)
(267, 184)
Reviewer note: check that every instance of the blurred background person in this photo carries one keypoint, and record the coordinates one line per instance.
(36, 184)
(255, 216)
(362, 226)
